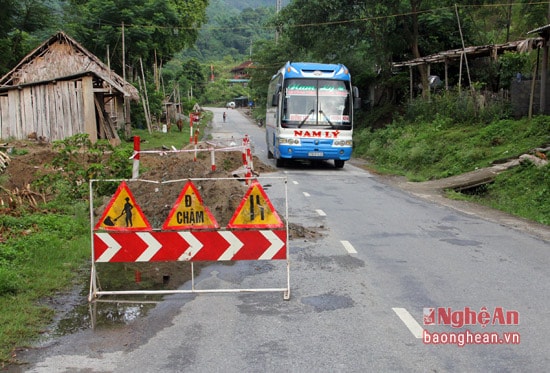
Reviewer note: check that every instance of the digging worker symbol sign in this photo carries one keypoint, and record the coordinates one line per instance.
(190, 232)
(123, 213)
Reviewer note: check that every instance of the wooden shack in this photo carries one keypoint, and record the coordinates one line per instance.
(59, 90)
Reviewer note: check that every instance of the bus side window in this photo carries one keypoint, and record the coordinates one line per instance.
(275, 97)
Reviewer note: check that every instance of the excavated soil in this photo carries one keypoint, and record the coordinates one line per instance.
(29, 160)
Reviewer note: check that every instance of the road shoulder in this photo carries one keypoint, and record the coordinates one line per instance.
(434, 191)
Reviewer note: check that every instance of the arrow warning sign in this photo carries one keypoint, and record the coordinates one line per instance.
(255, 210)
(189, 211)
(123, 213)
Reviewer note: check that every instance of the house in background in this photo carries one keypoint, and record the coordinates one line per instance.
(59, 90)
(241, 73)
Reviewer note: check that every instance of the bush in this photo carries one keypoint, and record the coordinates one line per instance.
(442, 148)
(453, 107)
(78, 161)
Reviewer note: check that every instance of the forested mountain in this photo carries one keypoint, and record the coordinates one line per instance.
(216, 6)
(230, 32)
(232, 27)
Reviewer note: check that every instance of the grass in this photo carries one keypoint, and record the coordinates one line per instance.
(442, 148)
(173, 137)
(43, 253)
(523, 191)
(39, 256)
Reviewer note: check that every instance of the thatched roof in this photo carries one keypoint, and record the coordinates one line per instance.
(61, 57)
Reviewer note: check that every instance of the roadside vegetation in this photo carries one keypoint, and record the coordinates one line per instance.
(45, 247)
(424, 144)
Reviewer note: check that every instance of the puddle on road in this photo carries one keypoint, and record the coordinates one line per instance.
(328, 302)
(103, 313)
(75, 313)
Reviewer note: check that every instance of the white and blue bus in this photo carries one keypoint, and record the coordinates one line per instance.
(310, 113)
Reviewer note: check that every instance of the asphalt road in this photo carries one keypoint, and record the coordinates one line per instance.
(382, 260)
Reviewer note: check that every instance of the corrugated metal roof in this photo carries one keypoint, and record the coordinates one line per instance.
(479, 51)
(539, 30)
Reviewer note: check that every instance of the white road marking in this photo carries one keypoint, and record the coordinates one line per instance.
(349, 247)
(306, 194)
(295, 182)
(409, 322)
(321, 212)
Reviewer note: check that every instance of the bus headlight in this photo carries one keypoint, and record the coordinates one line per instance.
(342, 143)
(285, 141)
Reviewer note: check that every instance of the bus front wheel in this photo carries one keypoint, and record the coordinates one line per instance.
(338, 163)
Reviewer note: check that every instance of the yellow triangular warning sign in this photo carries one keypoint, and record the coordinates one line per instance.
(255, 210)
(123, 213)
(189, 211)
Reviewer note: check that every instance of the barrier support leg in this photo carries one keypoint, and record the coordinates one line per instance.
(93, 284)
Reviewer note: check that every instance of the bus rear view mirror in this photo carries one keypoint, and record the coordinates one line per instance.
(356, 98)
(275, 100)
(356, 103)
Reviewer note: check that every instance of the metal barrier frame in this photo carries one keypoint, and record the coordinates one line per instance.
(96, 292)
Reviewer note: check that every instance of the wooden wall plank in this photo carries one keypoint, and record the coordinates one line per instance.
(50, 93)
(4, 118)
(42, 111)
(79, 105)
(27, 119)
(60, 118)
(74, 107)
(13, 108)
(90, 124)
(45, 112)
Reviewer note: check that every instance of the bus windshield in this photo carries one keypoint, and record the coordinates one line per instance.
(316, 103)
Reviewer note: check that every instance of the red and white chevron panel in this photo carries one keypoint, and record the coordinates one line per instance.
(189, 246)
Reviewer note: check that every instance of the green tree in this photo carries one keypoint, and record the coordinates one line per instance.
(23, 25)
(154, 30)
(193, 75)
(231, 32)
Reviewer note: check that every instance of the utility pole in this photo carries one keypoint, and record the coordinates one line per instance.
(127, 123)
(279, 3)
(544, 68)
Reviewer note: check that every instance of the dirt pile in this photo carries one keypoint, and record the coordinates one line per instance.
(30, 160)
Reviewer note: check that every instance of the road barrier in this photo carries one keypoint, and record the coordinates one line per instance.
(211, 147)
(189, 232)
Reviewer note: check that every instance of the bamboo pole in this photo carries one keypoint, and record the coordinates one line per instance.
(146, 98)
